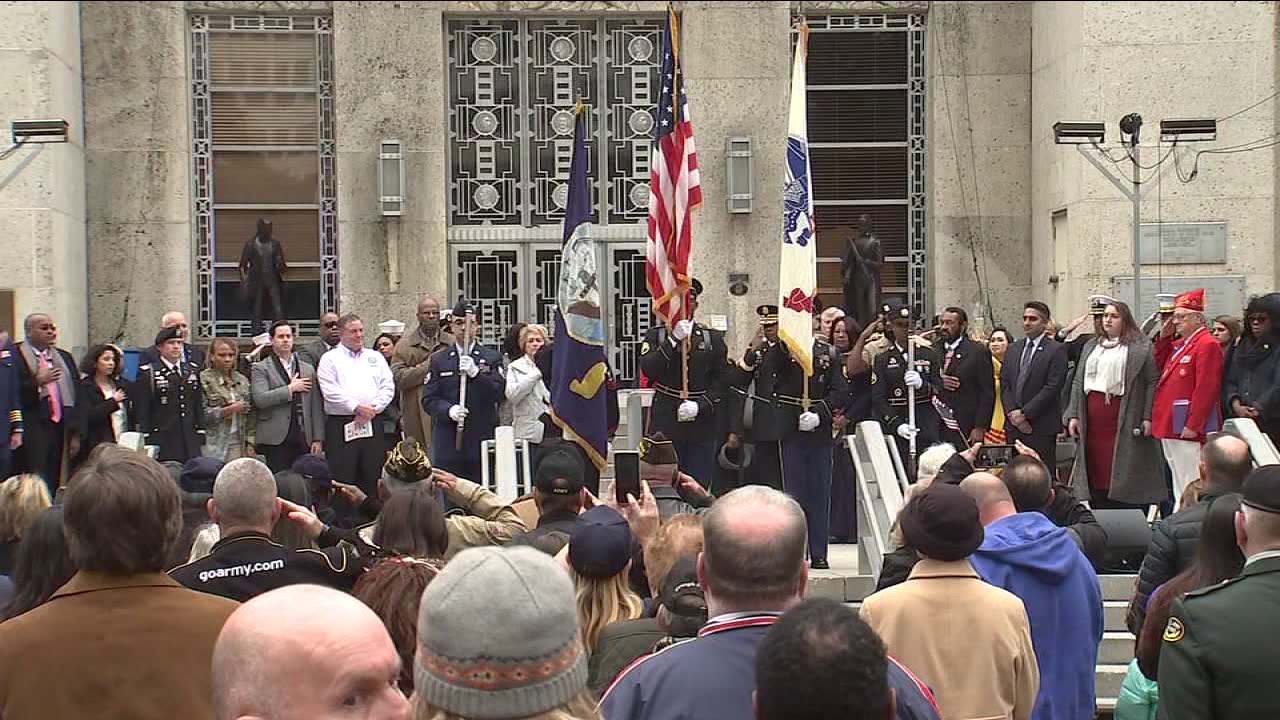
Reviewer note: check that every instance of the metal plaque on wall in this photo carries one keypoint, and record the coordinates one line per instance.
(1223, 294)
(1184, 243)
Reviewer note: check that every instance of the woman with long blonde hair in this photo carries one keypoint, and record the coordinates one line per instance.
(599, 557)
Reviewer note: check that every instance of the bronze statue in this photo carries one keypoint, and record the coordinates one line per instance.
(262, 269)
(861, 272)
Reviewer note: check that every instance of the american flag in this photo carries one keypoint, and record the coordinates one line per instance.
(674, 188)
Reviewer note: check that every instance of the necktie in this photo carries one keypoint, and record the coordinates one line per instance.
(55, 392)
(1028, 351)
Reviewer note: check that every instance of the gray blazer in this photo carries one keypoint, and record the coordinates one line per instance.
(271, 398)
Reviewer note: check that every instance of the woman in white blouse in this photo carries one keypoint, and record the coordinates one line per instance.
(527, 394)
(1117, 461)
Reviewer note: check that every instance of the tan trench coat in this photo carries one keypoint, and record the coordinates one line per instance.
(409, 369)
(967, 640)
(138, 647)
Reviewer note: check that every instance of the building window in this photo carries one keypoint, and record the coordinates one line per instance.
(263, 147)
(866, 80)
(513, 84)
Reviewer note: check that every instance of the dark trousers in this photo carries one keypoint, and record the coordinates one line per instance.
(697, 459)
(280, 457)
(270, 293)
(358, 462)
(1046, 446)
(766, 465)
(806, 464)
(844, 519)
(41, 451)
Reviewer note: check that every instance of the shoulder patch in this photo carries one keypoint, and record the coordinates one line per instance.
(644, 347)
(1174, 631)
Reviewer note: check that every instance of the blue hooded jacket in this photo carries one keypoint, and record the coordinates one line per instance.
(1038, 561)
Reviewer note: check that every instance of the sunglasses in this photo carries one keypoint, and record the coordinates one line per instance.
(331, 323)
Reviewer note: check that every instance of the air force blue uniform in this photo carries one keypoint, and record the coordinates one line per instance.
(440, 393)
(10, 405)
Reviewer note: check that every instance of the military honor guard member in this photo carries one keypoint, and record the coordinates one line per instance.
(968, 382)
(355, 384)
(476, 416)
(755, 419)
(169, 402)
(688, 420)
(807, 442)
(892, 373)
(1220, 655)
(1187, 402)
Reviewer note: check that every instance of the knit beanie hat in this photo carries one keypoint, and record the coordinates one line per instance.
(530, 662)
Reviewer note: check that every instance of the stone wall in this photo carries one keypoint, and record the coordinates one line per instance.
(138, 167)
(42, 202)
(1103, 60)
(980, 151)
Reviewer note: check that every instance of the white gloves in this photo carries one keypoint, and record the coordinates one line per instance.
(682, 330)
(809, 420)
(906, 432)
(467, 365)
(457, 412)
(913, 379)
(687, 411)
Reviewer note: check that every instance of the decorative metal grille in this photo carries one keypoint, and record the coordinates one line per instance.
(631, 308)
(513, 87)
(867, 130)
(208, 323)
(491, 281)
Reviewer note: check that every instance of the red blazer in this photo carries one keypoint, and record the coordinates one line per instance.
(1193, 374)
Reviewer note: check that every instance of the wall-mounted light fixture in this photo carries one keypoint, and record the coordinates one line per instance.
(390, 178)
(738, 174)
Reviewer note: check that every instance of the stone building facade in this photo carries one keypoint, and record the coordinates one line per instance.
(128, 219)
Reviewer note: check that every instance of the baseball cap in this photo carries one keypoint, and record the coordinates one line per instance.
(560, 473)
(600, 546)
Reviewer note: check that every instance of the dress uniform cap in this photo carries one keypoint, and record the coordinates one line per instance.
(166, 334)
(407, 462)
(768, 314)
(463, 308)
(1261, 489)
(695, 286)
(600, 546)
(1165, 301)
(895, 309)
(1098, 303)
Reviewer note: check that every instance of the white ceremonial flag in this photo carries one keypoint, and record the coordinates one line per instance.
(797, 273)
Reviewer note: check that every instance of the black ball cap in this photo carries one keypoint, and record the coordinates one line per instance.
(695, 287)
(1262, 489)
(895, 309)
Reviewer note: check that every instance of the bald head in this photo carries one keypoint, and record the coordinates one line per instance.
(1225, 462)
(991, 495)
(753, 551)
(244, 497)
(305, 651)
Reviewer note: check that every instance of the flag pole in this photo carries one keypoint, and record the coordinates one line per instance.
(462, 387)
(675, 114)
(911, 407)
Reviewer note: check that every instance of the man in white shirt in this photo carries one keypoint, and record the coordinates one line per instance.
(356, 384)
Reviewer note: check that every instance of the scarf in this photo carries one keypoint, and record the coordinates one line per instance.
(1104, 370)
(65, 384)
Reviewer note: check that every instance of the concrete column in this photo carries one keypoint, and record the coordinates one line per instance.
(138, 168)
(42, 208)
